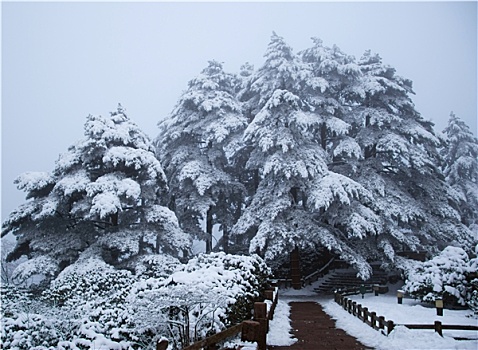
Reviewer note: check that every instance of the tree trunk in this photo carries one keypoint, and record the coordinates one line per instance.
(256, 180)
(323, 136)
(225, 239)
(114, 219)
(295, 269)
(209, 231)
(295, 195)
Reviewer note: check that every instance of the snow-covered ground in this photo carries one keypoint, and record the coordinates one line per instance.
(402, 338)
(410, 312)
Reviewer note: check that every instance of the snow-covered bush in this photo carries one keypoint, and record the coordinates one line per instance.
(203, 297)
(94, 305)
(156, 266)
(444, 276)
(23, 327)
(85, 281)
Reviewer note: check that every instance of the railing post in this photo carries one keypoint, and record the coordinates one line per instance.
(438, 328)
(269, 294)
(381, 322)
(250, 331)
(373, 318)
(390, 326)
(365, 314)
(260, 315)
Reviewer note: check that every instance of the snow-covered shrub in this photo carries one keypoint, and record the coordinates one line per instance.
(156, 266)
(86, 280)
(203, 297)
(22, 325)
(472, 299)
(28, 331)
(444, 276)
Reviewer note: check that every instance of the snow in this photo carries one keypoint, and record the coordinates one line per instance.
(280, 328)
(33, 180)
(401, 338)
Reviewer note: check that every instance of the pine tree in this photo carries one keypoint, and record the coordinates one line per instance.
(412, 206)
(294, 186)
(195, 144)
(103, 198)
(461, 166)
(328, 95)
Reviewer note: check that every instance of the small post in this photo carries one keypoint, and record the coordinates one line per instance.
(400, 294)
(162, 344)
(375, 289)
(260, 315)
(362, 290)
(439, 306)
(373, 318)
(250, 331)
(438, 328)
(390, 326)
(381, 322)
(354, 308)
(365, 314)
(269, 294)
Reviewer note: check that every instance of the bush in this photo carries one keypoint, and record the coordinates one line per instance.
(94, 305)
(203, 297)
(85, 281)
(444, 276)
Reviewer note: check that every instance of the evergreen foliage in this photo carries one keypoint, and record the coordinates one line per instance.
(193, 147)
(461, 167)
(450, 275)
(315, 150)
(104, 198)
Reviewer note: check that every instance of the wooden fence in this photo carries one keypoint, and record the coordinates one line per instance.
(254, 330)
(361, 312)
(379, 322)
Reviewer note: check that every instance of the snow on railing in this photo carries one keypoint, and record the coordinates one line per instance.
(379, 323)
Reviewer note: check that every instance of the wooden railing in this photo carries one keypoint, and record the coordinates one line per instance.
(314, 276)
(309, 279)
(361, 312)
(254, 330)
(379, 322)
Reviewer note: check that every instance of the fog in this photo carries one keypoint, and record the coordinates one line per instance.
(63, 61)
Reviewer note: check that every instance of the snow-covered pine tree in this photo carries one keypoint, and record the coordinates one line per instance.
(412, 206)
(104, 196)
(283, 146)
(328, 95)
(194, 144)
(461, 167)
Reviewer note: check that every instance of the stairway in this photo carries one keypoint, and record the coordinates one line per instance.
(347, 278)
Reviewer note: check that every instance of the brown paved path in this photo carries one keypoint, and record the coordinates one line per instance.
(315, 330)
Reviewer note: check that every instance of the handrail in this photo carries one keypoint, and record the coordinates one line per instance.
(313, 274)
(255, 330)
(216, 338)
(379, 322)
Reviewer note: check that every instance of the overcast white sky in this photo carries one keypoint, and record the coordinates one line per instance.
(63, 61)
